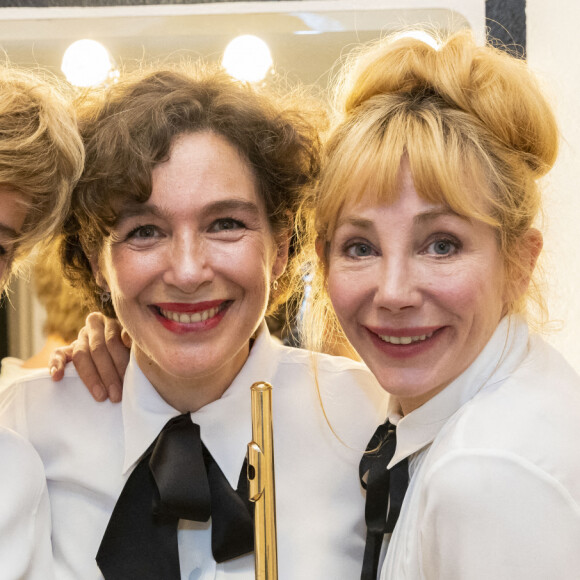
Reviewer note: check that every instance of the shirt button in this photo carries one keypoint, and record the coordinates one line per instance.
(198, 573)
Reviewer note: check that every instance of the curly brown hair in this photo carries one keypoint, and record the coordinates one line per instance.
(129, 128)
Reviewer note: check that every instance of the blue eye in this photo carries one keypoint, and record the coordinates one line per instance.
(443, 247)
(359, 250)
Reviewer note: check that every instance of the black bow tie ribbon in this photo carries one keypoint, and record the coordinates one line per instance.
(177, 478)
(385, 493)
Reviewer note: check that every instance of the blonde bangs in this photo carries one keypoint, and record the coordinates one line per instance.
(446, 164)
(353, 172)
(447, 170)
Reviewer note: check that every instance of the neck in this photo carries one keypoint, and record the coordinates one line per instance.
(189, 392)
(41, 358)
(409, 404)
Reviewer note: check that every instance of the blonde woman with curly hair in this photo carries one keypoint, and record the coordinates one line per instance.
(41, 157)
(426, 251)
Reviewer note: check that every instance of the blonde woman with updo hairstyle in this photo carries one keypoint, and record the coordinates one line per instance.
(423, 229)
(41, 158)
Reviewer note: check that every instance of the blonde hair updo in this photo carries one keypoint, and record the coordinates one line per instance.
(476, 130)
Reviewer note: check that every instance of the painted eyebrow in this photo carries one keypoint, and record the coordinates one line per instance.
(221, 206)
(433, 214)
(419, 219)
(357, 222)
(227, 205)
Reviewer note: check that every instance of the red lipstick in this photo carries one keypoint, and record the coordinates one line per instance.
(188, 308)
(404, 351)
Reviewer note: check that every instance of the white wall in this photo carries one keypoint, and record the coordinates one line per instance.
(553, 43)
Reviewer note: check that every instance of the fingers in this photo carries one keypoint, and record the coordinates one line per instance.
(118, 343)
(100, 354)
(84, 361)
(58, 360)
(101, 358)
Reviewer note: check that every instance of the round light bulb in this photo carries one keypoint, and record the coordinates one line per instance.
(247, 58)
(86, 63)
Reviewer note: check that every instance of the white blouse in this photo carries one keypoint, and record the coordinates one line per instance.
(25, 551)
(89, 449)
(10, 370)
(495, 470)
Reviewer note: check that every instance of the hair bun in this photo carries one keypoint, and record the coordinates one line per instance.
(486, 82)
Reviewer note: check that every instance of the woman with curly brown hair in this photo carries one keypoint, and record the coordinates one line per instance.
(180, 228)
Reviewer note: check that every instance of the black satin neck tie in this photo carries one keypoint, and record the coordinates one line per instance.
(385, 492)
(177, 478)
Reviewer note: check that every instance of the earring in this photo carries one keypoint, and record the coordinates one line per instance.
(275, 285)
(105, 297)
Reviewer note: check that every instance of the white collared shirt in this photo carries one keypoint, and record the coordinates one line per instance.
(25, 551)
(495, 470)
(89, 449)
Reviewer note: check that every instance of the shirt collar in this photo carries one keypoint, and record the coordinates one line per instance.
(502, 354)
(225, 424)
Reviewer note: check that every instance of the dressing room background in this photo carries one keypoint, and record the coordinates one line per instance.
(305, 38)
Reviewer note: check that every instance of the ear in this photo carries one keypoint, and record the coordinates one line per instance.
(320, 247)
(529, 249)
(97, 273)
(281, 259)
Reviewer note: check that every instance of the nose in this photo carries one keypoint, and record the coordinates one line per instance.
(188, 264)
(398, 285)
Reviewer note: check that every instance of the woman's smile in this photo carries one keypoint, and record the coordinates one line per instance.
(182, 318)
(406, 343)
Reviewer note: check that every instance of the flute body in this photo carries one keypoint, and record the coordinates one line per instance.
(261, 482)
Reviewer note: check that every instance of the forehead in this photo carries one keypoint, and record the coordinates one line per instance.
(202, 168)
(404, 201)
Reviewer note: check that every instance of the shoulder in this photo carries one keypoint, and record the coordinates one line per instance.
(324, 364)
(486, 514)
(337, 390)
(462, 475)
(22, 477)
(10, 370)
(542, 393)
(332, 376)
(37, 407)
(38, 386)
(530, 418)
